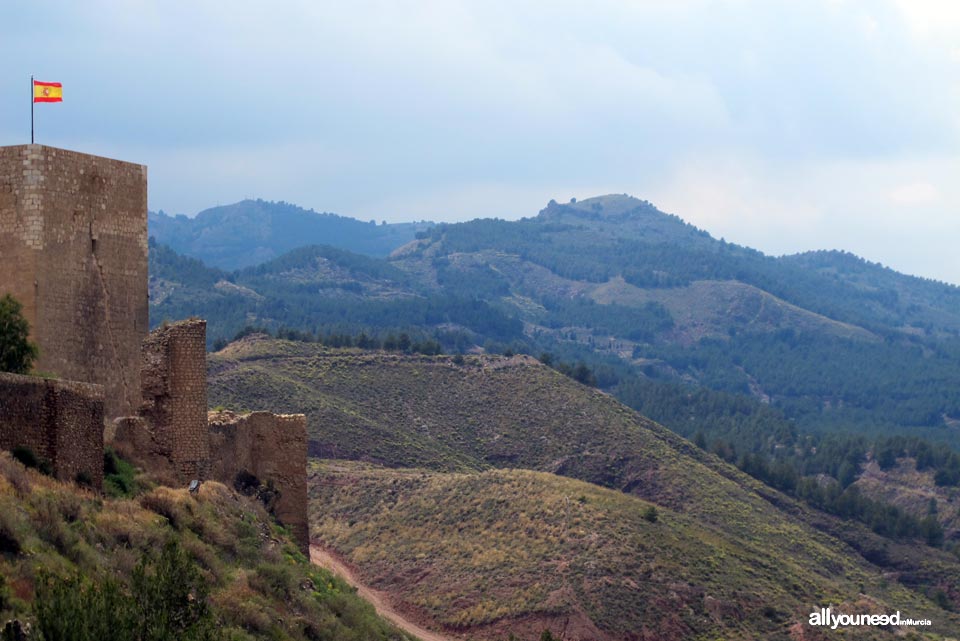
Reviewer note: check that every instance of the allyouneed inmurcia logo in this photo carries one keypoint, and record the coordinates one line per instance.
(826, 617)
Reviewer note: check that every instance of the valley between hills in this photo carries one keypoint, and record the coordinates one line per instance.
(464, 320)
(597, 423)
(499, 414)
(497, 495)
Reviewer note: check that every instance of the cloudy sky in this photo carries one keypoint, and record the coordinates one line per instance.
(784, 125)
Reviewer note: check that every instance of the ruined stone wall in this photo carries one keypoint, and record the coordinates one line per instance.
(175, 434)
(272, 447)
(73, 250)
(60, 421)
(173, 378)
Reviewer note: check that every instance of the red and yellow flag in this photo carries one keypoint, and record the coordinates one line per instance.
(47, 91)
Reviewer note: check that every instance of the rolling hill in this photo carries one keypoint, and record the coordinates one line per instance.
(513, 552)
(831, 340)
(828, 338)
(251, 232)
(788, 367)
(462, 420)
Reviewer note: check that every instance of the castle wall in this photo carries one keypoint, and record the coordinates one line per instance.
(174, 390)
(60, 421)
(73, 251)
(272, 447)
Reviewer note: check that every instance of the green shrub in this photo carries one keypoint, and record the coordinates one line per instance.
(650, 514)
(48, 519)
(29, 459)
(26, 456)
(170, 598)
(273, 580)
(167, 601)
(76, 609)
(119, 476)
(10, 536)
(83, 479)
(246, 483)
(249, 485)
(17, 353)
(942, 600)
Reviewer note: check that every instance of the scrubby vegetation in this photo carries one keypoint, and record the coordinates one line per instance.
(511, 552)
(161, 564)
(119, 475)
(514, 412)
(492, 404)
(167, 599)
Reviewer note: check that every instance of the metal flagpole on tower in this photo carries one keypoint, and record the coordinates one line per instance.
(31, 110)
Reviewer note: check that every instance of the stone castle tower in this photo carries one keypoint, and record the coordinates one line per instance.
(73, 250)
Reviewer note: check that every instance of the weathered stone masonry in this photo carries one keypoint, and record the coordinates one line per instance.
(59, 421)
(174, 432)
(73, 250)
(272, 447)
(173, 378)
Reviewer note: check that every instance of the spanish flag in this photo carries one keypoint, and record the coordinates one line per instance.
(47, 91)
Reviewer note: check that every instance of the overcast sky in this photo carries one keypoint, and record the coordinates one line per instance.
(785, 126)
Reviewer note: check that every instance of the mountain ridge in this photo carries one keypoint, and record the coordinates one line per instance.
(805, 364)
(250, 232)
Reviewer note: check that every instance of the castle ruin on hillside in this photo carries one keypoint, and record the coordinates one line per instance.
(176, 435)
(73, 251)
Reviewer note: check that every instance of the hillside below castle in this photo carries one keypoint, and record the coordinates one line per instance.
(430, 503)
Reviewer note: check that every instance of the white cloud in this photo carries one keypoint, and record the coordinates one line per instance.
(931, 18)
(837, 205)
(915, 193)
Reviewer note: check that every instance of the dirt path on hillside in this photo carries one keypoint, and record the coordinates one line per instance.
(379, 599)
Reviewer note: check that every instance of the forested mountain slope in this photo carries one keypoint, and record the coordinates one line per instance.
(830, 340)
(253, 231)
(789, 367)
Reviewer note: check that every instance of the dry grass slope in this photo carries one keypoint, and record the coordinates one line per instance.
(511, 551)
(261, 585)
(495, 412)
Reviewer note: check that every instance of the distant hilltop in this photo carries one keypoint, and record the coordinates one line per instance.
(251, 232)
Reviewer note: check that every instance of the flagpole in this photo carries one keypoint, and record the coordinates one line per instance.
(31, 110)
